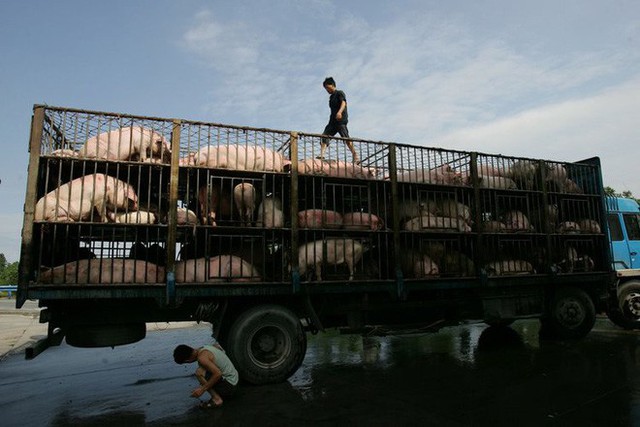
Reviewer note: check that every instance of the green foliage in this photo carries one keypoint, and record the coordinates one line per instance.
(608, 191)
(8, 272)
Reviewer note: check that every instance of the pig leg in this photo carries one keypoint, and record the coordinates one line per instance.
(319, 271)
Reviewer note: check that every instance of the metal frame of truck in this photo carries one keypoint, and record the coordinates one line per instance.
(264, 324)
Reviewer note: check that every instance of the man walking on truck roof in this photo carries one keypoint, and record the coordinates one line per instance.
(216, 374)
(338, 119)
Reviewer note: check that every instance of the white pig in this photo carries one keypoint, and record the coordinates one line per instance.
(362, 221)
(223, 268)
(137, 217)
(319, 218)
(76, 200)
(244, 196)
(443, 175)
(418, 265)
(509, 267)
(568, 227)
(104, 270)
(186, 217)
(270, 213)
(338, 251)
(334, 168)
(516, 221)
(589, 226)
(128, 143)
(436, 223)
(454, 209)
(497, 182)
(238, 157)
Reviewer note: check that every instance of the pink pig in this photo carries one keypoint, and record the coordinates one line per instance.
(319, 218)
(104, 270)
(128, 143)
(218, 269)
(76, 200)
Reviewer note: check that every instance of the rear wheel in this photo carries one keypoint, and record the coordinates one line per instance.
(627, 313)
(267, 344)
(571, 314)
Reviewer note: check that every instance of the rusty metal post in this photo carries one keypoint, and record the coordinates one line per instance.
(26, 248)
(393, 174)
(295, 271)
(172, 219)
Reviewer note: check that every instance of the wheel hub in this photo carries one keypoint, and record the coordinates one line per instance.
(570, 312)
(632, 303)
(269, 347)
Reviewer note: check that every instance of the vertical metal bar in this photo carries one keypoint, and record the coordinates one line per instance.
(295, 272)
(26, 249)
(172, 219)
(393, 174)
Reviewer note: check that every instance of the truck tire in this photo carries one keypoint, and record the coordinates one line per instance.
(267, 344)
(627, 313)
(90, 336)
(571, 314)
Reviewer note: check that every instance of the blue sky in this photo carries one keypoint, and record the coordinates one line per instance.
(548, 79)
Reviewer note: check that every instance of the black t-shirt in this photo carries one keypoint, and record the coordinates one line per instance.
(335, 99)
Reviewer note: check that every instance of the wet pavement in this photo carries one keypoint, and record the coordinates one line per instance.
(468, 375)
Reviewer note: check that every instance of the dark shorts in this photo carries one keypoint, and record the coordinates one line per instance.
(332, 128)
(223, 387)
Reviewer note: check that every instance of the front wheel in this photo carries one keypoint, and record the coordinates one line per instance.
(571, 314)
(267, 344)
(627, 313)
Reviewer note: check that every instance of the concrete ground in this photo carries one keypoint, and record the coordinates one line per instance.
(20, 328)
(469, 375)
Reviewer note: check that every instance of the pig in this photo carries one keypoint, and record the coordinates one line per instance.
(442, 175)
(589, 226)
(455, 263)
(411, 209)
(103, 271)
(568, 227)
(217, 269)
(436, 223)
(452, 208)
(496, 182)
(334, 168)
(237, 157)
(186, 217)
(270, 213)
(494, 227)
(516, 221)
(419, 266)
(571, 187)
(362, 221)
(338, 251)
(523, 173)
(64, 152)
(319, 218)
(509, 267)
(213, 201)
(137, 217)
(77, 200)
(244, 196)
(537, 217)
(555, 176)
(128, 143)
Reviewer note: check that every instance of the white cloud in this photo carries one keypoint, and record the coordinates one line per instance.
(10, 235)
(429, 79)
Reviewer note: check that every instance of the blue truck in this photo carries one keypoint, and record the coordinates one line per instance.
(131, 219)
(623, 221)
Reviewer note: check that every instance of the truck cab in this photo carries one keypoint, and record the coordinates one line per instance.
(623, 221)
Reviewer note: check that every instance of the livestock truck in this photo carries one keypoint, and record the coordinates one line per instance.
(131, 219)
